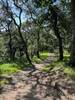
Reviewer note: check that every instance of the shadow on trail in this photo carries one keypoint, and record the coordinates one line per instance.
(49, 86)
(34, 84)
(37, 85)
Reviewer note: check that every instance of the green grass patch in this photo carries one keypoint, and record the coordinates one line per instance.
(36, 60)
(61, 65)
(54, 66)
(70, 71)
(9, 68)
(43, 56)
(3, 82)
(66, 53)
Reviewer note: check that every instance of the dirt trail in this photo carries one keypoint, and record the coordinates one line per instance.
(38, 85)
(45, 62)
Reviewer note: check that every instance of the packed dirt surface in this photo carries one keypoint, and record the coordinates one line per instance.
(46, 62)
(34, 84)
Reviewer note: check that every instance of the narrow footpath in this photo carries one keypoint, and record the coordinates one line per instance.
(39, 85)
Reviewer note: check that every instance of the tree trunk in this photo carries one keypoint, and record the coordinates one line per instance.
(60, 43)
(72, 56)
(13, 53)
(60, 49)
(38, 43)
(25, 46)
(57, 33)
(10, 44)
(10, 47)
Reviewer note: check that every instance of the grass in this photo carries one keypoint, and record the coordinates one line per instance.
(37, 60)
(43, 56)
(66, 53)
(7, 69)
(10, 68)
(70, 71)
(3, 82)
(54, 66)
(62, 65)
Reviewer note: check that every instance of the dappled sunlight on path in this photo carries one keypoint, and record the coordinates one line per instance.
(46, 62)
(39, 85)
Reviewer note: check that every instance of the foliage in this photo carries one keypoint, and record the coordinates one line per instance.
(29, 27)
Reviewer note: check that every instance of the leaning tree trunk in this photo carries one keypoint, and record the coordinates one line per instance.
(72, 56)
(25, 46)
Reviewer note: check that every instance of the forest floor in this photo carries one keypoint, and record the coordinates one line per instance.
(36, 84)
